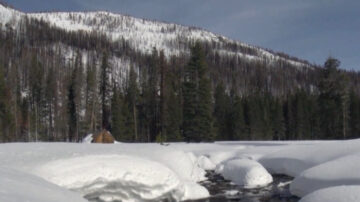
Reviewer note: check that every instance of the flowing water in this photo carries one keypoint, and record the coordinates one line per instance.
(222, 190)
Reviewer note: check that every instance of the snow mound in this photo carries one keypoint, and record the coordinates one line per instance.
(17, 186)
(342, 171)
(245, 172)
(334, 194)
(88, 139)
(114, 177)
(194, 191)
(205, 163)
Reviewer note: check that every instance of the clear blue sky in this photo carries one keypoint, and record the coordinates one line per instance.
(308, 29)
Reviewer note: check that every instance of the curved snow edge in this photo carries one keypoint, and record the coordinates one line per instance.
(245, 172)
(120, 177)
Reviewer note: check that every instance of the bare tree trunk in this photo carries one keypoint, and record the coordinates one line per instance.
(135, 124)
(36, 123)
(29, 129)
(92, 121)
(344, 121)
(16, 118)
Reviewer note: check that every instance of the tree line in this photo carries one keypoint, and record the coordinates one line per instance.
(203, 96)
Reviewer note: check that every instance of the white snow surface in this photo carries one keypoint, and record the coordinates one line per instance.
(334, 194)
(16, 186)
(342, 171)
(245, 172)
(152, 171)
(114, 174)
(127, 172)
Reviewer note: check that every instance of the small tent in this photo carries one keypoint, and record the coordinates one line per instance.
(103, 137)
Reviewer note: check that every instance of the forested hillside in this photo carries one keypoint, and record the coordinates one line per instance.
(65, 75)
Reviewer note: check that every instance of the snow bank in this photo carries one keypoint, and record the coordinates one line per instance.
(114, 176)
(205, 163)
(153, 172)
(140, 171)
(245, 172)
(16, 186)
(295, 158)
(194, 191)
(334, 194)
(342, 171)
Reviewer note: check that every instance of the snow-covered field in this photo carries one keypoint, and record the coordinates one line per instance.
(47, 172)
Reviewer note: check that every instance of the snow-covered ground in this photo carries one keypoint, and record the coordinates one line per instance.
(323, 170)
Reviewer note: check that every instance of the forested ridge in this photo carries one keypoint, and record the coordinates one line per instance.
(58, 85)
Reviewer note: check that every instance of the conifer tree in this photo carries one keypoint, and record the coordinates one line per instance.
(36, 77)
(91, 98)
(105, 91)
(173, 106)
(254, 112)
(221, 112)
(237, 124)
(79, 91)
(150, 96)
(190, 101)
(117, 118)
(333, 101)
(197, 109)
(354, 123)
(72, 120)
(132, 93)
(277, 118)
(163, 98)
(50, 93)
(6, 118)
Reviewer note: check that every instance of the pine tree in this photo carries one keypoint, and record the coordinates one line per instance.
(204, 110)
(354, 123)
(105, 91)
(91, 98)
(50, 94)
(221, 112)
(237, 124)
(333, 101)
(163, 98)
(36, 77)
(131, 98)
(79, 92)
(189, 103)
(173, 105)
(150, 98)
(72, 111)
(197, 109)
(117, 116)
(277, 117)
(254, 114)
(6, 118)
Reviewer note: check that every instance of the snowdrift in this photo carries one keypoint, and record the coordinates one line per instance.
(323, 170)
(127, 172)
(245, 172)
(18, 186)
(334, 194)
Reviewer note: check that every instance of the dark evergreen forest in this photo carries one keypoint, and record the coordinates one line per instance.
(199, 97)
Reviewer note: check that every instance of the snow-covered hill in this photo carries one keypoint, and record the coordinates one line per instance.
(143, 35)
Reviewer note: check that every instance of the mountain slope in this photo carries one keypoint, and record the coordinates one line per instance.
(143, 35)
